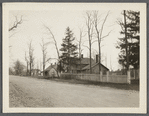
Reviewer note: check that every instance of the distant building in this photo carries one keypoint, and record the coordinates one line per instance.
(51, 71)
(79, 67)
(95, 67)
(84, 66)
(35, 72)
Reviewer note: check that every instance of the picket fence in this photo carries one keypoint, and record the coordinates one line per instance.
(98, 77)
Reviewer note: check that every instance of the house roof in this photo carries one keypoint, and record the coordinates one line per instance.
(93, 65)
(85, 61)
(50, 67)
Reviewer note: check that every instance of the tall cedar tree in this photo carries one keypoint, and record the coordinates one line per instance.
(133, 39)
(69, 53)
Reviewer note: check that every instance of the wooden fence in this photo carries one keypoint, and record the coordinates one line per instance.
(98, 77)
(134, 73)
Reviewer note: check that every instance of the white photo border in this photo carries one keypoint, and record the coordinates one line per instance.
(79, 6)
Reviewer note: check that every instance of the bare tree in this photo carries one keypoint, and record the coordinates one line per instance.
(99, 32)
(44, 53)
(53, 40)
(90, 33)
(31, 56)
(80, 42)
(16, 23)
(27, 62)
(14, 26)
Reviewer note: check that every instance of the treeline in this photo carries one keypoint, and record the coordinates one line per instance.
(70, 51)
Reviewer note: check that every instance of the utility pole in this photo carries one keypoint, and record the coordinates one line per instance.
(127, 57)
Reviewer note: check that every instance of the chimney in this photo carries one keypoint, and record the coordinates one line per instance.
(51, 64)
(97, 57)
(55, 63)
(81, 55)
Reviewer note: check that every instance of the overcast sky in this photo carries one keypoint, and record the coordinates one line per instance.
(58, 20)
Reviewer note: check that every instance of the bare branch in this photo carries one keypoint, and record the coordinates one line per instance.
(55, 43)
(31, 56)
(26, 57)
(85, 41)
(90, 30)
(99, 32)
(103, 25)
(94, 41)
(12, 35)
(49, 43)
(86, 46)
(119, 22)
(44, 53)
(16, 23)
(106, 35)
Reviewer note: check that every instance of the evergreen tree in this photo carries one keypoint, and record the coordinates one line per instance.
(18, 67)
(69, 53)
(133, 39)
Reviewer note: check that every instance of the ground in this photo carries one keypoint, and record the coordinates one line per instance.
(33, 92)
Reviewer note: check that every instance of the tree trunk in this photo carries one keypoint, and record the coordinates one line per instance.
(27, 69)
(127, 57)
(80, 56)
(90, 60)
(30, 69)
(80, 65)
(99, 58)
(68, 57)
(43, 64)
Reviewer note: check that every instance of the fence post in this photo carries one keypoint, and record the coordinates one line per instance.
(107, 76)
(128, 77)
(101, 76)
(134, 74)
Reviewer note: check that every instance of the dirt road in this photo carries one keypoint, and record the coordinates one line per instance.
(32, 92)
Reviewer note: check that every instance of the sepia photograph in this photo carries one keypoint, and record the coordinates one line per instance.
(74, 58)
